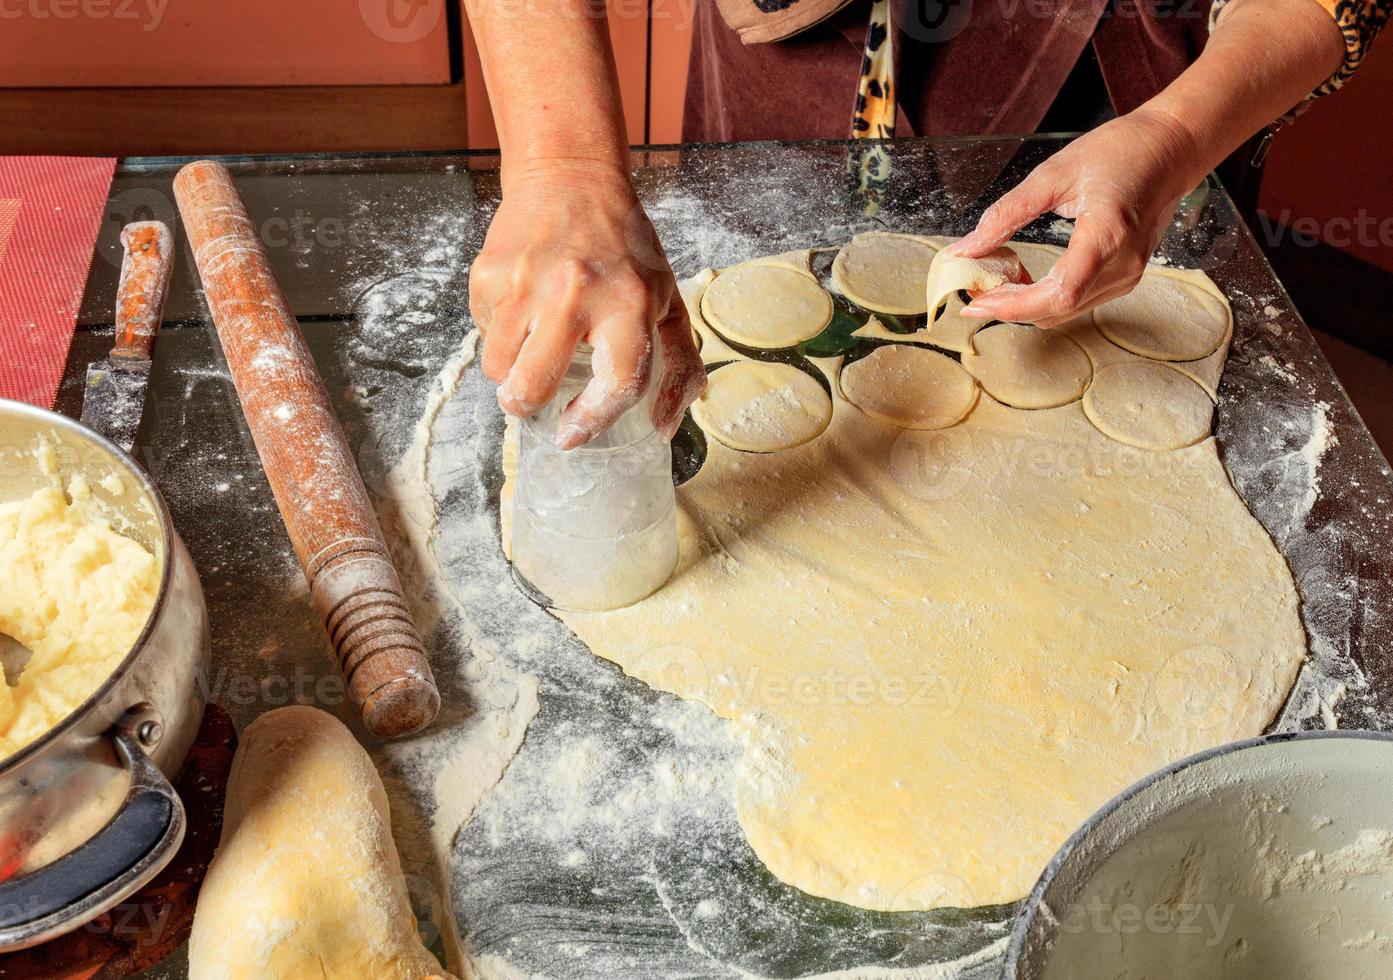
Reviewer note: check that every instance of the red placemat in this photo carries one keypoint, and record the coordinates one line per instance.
(50, 213)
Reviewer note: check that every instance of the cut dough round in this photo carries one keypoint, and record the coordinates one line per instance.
(885, 273)
(1165, 317)
(766, 306)
(910, 387)
(760, 407)
(1149, 406)
(1026, 367)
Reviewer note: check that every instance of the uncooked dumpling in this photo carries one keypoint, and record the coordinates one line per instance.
(1148, 405)
(884, 272)
(1166, 317)
(910, 387)
(1027, 367)
(951, 274)
(306, 883)
(761, 407)
(766, 306)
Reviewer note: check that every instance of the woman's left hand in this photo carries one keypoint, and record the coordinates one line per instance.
(1121, 183)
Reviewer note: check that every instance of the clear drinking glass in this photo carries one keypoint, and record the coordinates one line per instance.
(596, 527)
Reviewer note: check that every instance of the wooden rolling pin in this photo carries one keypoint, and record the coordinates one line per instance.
(307, 461)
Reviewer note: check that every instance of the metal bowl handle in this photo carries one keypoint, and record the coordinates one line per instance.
(119, 860)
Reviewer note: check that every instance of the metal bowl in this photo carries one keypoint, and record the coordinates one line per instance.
(87, 813)
(1270, 858)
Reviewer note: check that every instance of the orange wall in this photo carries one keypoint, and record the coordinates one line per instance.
(1333, 167)
(102, 43)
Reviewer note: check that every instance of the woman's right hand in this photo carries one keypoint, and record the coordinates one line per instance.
(571, 257)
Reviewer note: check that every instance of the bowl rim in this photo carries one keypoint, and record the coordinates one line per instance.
(170, 541)
(1030, 905)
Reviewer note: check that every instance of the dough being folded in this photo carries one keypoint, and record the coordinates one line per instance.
(306, 883)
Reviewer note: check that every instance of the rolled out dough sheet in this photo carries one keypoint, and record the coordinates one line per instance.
(944, 649)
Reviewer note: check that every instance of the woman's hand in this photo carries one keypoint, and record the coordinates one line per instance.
(1121, 183)
(571, 257)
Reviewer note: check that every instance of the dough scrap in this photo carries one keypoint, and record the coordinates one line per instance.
(768, 306)
(1149, 406)
(954, 273)
(910, 387)
(306, 883)
(1167, 317)
(945, 649)
(756, 406)
(1027, 367)
(77, 595)
(884, 272)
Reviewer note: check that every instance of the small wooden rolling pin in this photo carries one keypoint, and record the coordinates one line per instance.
(307, 461)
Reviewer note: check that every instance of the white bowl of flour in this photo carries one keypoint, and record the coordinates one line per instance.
(1270, 859)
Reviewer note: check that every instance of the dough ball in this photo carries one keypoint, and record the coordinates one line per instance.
(306, 883)
(760, 407)
(1166, 318)
(910, 387)
(766, 306)
(884, 272)
(1027, 367)
(1149, 406)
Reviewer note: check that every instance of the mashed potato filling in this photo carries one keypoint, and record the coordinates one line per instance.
(76, 594)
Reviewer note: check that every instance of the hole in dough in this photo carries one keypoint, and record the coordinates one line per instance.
(759, 407)
(1149, 406)
(1026, 367)
(1166, 318)
(885, 273)
(766, 306)
(911, 387)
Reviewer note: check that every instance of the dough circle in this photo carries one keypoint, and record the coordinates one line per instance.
(760, 407)
(1148, 406)
(766, 306)
(1166, 318)
(1026, 367)
(910, 387)
(885, 273)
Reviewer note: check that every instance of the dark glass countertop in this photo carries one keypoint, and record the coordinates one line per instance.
(348, 235)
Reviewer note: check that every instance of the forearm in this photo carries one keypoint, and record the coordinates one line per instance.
(1263, 57)
(552, 85)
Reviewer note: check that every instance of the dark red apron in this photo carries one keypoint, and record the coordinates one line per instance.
(990, 67)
